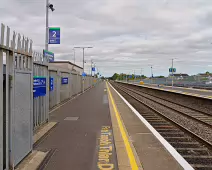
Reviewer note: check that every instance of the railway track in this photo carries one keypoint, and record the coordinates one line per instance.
(199, 116)
(193, 147)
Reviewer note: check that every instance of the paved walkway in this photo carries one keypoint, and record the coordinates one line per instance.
(76, 139)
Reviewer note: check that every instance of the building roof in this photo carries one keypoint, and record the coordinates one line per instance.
(180, 74)
(67, 62)
(205, 75)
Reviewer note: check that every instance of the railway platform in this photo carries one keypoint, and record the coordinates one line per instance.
(100, 130)
(202, 93)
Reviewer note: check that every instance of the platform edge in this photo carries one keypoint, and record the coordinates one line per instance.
(167, 146)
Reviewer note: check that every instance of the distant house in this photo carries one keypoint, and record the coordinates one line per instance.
(179, 76)
(203, 76)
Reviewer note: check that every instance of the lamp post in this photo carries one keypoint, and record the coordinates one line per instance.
(83, 52)
(91, 67)
(134, 77)
(48, 6)
(141, 73)
(74, 54)
(151, 72)
(173, 72)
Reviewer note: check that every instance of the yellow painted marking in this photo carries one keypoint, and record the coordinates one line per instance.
(105, 151)
(209, 96)
(130, 154)
(196, 95)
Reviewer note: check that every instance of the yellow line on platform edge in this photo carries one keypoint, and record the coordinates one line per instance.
(130, 154)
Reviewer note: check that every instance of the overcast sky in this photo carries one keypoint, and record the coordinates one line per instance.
(127, 35)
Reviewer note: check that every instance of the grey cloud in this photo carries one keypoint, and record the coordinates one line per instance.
(126, 35)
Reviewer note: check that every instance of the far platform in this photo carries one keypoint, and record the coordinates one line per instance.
(182, 90)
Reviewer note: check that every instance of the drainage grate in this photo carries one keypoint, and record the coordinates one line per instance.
(71, 118)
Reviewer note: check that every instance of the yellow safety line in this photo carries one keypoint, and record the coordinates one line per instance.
(130, 154)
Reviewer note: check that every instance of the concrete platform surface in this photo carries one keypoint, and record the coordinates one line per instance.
(83, 137)
(151, 153)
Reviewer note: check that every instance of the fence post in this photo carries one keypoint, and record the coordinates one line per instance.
(58, 86)
(1, 99)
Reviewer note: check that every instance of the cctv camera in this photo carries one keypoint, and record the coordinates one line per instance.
(51, 7)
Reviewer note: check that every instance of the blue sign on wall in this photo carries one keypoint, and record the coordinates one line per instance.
(39, 86)
(54, 35)
(51, 83)
(49, 55)
(93, 69)
(83, 74)
(64, 80)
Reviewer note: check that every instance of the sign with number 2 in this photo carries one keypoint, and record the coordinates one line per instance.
(54, 35)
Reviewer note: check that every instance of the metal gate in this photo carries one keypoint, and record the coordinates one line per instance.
(16, 117)
(22, 94)
(22, 118)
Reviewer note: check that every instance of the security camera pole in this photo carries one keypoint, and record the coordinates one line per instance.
(48, 6)
(83, 50)
(91, 67)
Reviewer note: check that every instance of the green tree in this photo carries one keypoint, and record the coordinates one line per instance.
(160, 76)
(115, 76)
(143, 76)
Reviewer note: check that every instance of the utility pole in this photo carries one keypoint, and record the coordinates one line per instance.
(74, 54)
(134, 77)
(172, 73)
(151, 73)
(141, 73)
(91, 67)
(94, 70)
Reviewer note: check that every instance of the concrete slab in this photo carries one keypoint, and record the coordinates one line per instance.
(32, 161)
(79, 143)
(43, 130)
(122, 155)
(151, 153)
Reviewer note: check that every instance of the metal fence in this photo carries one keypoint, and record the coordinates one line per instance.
(20, 113)
(62, 92)
(40, 103)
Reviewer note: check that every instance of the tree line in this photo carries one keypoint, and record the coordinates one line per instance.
(123, 76)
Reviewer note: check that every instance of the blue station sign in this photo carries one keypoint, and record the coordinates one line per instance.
(51, 84)
(93, 69)
(54, 35)
(83, 74)
(39, 86)
(172, 70)
(49, 55)
(64, 80)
